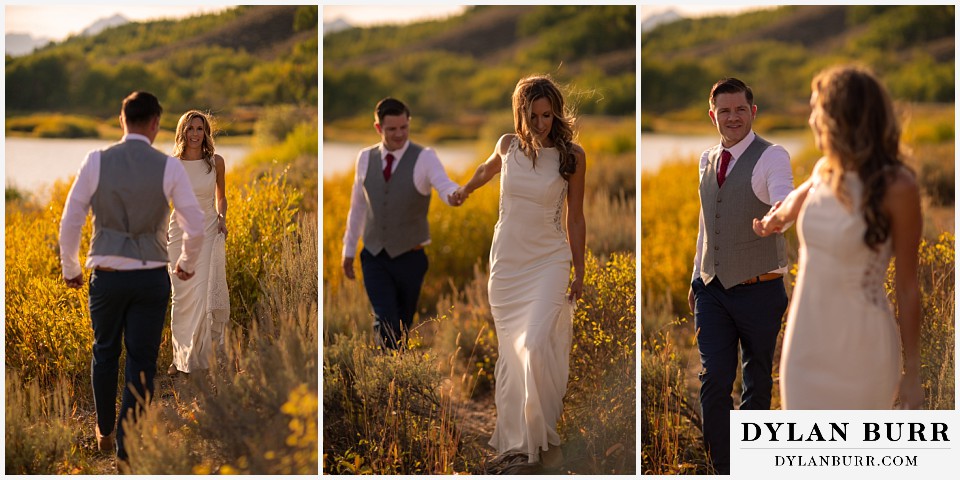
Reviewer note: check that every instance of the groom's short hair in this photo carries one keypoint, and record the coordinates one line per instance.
(389, 106)
(730, 85)
(140, 107)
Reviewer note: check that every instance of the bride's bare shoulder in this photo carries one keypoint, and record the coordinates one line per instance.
(504, 143)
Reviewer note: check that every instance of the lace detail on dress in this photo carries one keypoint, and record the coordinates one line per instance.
(874, 276)
(558, 213)
(218, 298)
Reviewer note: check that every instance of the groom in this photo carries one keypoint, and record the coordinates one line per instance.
(737, 293)
(128, 186)
(388, 206)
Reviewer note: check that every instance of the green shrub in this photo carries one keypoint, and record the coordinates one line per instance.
(385, 413)
(599, 418)
(276, 122)
(263, 212)
(40, 431)
(60, 128)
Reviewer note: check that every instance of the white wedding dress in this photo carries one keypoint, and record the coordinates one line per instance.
(841, 349)
(201, 305)
(529, 274)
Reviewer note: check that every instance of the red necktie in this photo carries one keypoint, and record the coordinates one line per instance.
(387, 171)
(724, 163)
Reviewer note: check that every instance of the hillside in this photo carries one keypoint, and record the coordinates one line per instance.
(263, 32)
(779, 50)
(464, 67)
(248, 57)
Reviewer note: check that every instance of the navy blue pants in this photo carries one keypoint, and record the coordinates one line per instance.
(745, 318)
(393, 286)
(127, 309)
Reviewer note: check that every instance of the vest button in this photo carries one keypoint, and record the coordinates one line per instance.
(716, 263)
(716, 247)
(718, 231)
(719, 200)
(718, 215)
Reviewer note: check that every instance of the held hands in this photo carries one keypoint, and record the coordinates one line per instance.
(770, 223)
(457, 197)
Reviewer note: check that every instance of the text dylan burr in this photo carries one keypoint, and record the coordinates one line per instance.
(838, 432)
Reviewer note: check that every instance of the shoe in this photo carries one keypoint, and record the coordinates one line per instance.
(552, 459)
(172, 370)
(106, 443)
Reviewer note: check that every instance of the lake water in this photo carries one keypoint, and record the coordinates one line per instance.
(34, 163)
(341, 157)
(656, 148)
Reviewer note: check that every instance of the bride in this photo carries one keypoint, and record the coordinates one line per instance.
(201, 305)
(861, 205)
(531, 295)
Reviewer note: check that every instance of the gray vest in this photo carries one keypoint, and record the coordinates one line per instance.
(130, 210)
(731, 250)
(396, 211)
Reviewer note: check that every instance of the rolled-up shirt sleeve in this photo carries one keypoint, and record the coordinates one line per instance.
(357, 216)
(778, 174)
(75, 214)
(186, 210)
(704, 160)
(429, 172)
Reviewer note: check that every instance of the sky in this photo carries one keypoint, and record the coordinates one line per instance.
(58, 22)
(695, 10)
(364, 15)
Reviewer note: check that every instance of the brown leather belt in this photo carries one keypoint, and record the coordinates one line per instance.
(105, 269)
(766, 277)
(418, 247)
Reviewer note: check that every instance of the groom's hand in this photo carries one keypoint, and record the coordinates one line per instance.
(75, 282)
(347, 265)
(690, 300)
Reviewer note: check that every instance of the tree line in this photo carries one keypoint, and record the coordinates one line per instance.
(463, 67)
(198, 62)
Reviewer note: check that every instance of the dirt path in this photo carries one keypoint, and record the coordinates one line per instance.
(478, 417)
(171, 395)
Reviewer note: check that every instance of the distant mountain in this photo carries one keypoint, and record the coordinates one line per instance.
(18, 44)
(104, 23)
(654, 21)
(336, 25)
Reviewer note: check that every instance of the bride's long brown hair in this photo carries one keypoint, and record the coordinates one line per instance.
(528, 90)
(859, 132)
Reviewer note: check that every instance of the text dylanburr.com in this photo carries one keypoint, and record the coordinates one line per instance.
(844, 444)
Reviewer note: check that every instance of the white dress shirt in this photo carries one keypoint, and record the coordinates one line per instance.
(428, 173)
(772, 181)
(176, 187)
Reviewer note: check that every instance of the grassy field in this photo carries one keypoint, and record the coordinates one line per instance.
(670, 411)
(256, 413)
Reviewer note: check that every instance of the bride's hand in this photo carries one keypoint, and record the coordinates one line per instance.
(769, 224)
(910, 392)
(576, 290)
(222, 225)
